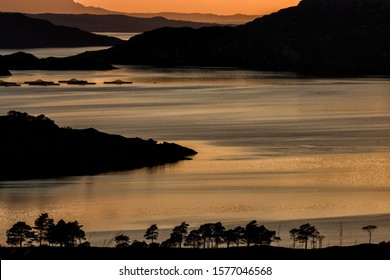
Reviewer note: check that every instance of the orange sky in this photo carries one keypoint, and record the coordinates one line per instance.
(222, 7)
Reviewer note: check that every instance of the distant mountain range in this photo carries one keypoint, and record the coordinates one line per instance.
(71, 7)
(20, 31)
(348, 37)
(115, 23)
(44, 6)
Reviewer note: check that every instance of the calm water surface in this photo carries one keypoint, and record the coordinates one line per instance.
(64, 52)
(272, 147)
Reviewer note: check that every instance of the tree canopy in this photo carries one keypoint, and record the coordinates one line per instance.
(305, 233)
(19, 233)
(151, 233)
(369, 229)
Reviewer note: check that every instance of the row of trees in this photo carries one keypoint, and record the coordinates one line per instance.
(304, 234)
(46, 232)
(212, 235)
(209, 235)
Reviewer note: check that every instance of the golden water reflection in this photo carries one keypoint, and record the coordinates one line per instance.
(221, 183)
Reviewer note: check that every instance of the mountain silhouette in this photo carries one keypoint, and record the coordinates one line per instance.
(349, 36)
(44, 6)
(115, 23)
(337, 37)
(20, 31)
(200, 17)
(71, 7)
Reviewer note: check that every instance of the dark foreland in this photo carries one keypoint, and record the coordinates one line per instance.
(20, 32)
(358, 252)
(116, 23)
(35, 147)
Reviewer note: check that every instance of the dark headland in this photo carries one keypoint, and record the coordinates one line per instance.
(35, 147)
(346, 37)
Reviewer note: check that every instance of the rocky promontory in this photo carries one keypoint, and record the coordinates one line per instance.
(35, 147)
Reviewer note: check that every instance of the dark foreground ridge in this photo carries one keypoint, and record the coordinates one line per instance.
(19, 31)
(35, 147)
(359, 252)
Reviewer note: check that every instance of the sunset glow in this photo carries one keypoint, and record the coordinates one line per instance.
(222, 7)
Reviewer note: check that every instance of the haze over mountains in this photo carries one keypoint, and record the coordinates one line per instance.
(71, 7)
(115, 23)
(44, 6)
(197, 17)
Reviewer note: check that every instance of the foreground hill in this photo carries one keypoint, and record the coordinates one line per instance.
(35, 147)
(20, 31)
(116, 23)
(359, 252)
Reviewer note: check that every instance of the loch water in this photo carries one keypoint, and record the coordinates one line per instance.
(276, 147)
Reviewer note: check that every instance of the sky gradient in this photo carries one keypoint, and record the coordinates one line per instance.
(222, 7)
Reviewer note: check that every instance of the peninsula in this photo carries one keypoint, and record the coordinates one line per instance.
(35, 147)
(21, 32)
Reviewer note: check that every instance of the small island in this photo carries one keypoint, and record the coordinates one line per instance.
(35, 147)
(8, 84)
